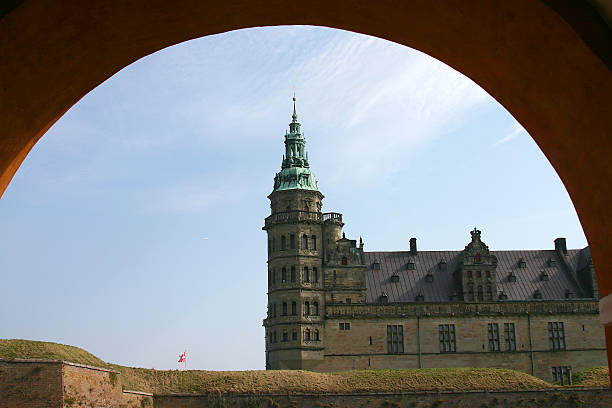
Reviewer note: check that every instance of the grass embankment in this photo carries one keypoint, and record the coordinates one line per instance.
(592, 377)
(282, 381)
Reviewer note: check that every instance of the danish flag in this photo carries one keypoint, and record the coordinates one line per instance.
(182, 358)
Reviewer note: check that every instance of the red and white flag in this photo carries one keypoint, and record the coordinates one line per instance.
(182, 358)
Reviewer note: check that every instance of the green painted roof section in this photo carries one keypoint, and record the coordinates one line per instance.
(295, 170)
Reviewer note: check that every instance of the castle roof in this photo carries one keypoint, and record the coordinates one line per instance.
(402, 282)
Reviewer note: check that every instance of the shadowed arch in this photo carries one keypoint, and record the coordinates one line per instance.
(531, 57)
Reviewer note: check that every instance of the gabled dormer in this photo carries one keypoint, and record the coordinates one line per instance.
(477, 271)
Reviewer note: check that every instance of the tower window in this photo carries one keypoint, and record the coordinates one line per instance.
(293, 274)
(274, 309)
(315, 275)
(284, 275)
(307, 308)
(315, 306)
(305, 241)
(273, 276)
(316, 335)
(489, 293)
(284, 308)
(314, 242)
(292, 241)
(293, 308)
(283, 243)
(306, 274)
(471, 292)
(480, 293)
(273, 244)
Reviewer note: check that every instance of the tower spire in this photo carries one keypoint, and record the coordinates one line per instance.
(294, 116)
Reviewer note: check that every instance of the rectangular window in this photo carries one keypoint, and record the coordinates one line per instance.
(314, 242)
(348, 301)
(556, 336)
(395, 339)
(447, 338)
(293, 274)
(315, 273)
(509, 337)
(293, 308)
(493, 329)
(345, 326)
(292, 241)
(294, 335)
(562, 374)
(284, 308)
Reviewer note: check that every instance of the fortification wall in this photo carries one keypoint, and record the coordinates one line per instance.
(27, 384)
(563, 398)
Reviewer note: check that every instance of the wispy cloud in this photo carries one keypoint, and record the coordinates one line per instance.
(191, 199)
(517, 129)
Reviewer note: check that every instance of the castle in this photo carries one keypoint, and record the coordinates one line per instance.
(333, 306)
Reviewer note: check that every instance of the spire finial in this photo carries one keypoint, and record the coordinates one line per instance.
(294, 113)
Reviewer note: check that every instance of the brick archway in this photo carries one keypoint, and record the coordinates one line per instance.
(534, 57)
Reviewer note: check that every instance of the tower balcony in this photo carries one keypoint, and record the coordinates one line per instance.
(297, 216)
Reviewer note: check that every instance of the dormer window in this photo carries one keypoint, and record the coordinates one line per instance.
(537, 294)
(544, 276)
(384, 298)
(429, 277)
(375, 266)
(442, 265)
(512, 277)
(569, 294)
(419, 297)
(502, 296)
(551, 262)
(522, 263)
(410, 265)
(395, 278)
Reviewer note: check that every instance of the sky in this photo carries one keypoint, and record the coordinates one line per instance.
(133, 228)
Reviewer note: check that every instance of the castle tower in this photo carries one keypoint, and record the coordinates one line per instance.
(294, 322)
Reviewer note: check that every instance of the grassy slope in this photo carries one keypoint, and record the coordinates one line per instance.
(592, 377)
(159, 381)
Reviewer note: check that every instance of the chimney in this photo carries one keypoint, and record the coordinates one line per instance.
(413, 248)
(561, 246)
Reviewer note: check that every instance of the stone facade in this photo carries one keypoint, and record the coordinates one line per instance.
(332, 306)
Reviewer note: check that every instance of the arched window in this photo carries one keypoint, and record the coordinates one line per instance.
(306, 274)
(480, 294)
(307, 335)
(314, 242)
(283, 243)
(304, 241)
(316, 335)
(307, 308)
(344, 260)
(315, 306)
(293, 308)
(293, 274)
(269, 245)
(292, 241)
(315, 275)
(284, 275)
(284, 308)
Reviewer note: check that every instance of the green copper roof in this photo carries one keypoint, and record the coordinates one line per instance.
(295, 171)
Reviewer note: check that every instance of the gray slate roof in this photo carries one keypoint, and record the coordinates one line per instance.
(412, 282)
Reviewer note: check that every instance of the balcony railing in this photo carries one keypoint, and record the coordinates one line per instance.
(332, 216)
(294, 216)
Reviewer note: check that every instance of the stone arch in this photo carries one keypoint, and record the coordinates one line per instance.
(549, 66)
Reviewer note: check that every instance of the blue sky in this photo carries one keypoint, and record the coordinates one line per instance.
(104, 224)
